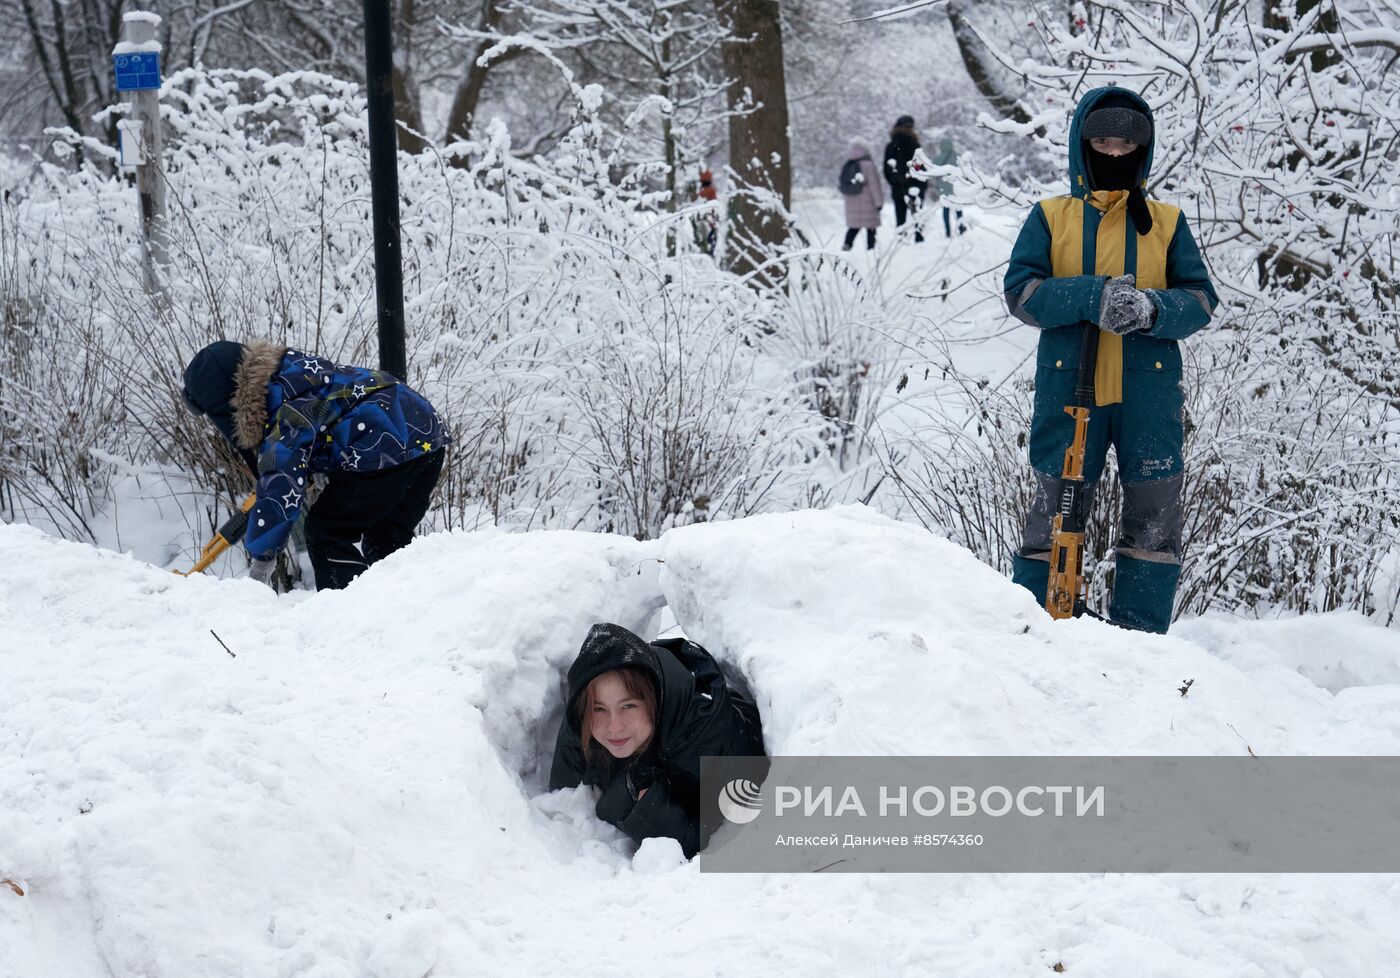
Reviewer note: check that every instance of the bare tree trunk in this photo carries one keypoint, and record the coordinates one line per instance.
(472, 84)
(407, 110)
(672, 148)
(760, 155)
(982, 67)
(468, 96)
(72, 97)
(51, 75)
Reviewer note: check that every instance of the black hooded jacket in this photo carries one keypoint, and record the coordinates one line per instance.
(898, 152)
(698, 715)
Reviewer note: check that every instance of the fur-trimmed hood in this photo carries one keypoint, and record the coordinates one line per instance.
(261, 362)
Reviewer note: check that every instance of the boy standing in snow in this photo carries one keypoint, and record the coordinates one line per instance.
(379, 442)
(1106, 257)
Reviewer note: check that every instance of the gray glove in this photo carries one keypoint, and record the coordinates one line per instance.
(1124, 308)
(260, 570)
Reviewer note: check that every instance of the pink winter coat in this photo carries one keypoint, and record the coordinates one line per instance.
(863, 209)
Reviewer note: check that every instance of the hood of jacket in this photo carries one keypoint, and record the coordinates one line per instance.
(860, 149)
(261, 362)
(227, 382)
(1078, 165)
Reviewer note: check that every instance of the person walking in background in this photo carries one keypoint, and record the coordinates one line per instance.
(946, 156)
(705, 225)
(906, 192)
(860, 185)
(1106, 258)
(707, 186)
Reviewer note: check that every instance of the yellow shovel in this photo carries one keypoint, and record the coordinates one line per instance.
(229, 534)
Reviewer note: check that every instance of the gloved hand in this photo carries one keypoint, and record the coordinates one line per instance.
(616, 801)
(641, 775)
(261, 568)
(1125, 309)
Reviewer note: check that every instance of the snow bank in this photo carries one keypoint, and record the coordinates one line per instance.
(873, 637)
(357, 791)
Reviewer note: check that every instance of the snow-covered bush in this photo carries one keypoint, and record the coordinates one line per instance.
(590, 379)
(840, 329)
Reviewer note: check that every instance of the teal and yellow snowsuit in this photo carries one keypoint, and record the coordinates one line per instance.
(1068, 248)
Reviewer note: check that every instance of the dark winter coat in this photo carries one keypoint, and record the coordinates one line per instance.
(698, 715)
(898, 152)
(1068, 248)
(863, 209)
(303, 414)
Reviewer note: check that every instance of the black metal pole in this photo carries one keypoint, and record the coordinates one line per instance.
(384, 185)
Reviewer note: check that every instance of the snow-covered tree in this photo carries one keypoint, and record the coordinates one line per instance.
(658, 60)
(760, 144)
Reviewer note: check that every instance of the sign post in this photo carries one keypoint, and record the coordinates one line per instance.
(136, 61)
(384, 186)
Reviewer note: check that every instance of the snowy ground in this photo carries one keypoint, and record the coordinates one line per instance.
(956, 280)
(358, 791)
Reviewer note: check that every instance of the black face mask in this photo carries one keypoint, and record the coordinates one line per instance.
(1121, 173)
(1113, 172)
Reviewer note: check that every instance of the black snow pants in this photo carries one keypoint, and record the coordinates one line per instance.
(363, 517)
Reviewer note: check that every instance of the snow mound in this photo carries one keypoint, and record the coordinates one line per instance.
(358, 788)
(868, 636)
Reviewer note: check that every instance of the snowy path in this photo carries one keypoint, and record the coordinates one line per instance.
(358, 791)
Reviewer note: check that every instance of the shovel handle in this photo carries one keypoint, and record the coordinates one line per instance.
(228, 534)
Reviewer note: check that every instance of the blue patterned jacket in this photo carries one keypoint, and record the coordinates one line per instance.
(303, 414)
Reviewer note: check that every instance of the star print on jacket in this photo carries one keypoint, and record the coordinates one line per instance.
(322, 417)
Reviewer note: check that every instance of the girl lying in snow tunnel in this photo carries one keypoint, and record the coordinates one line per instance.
(638, 718)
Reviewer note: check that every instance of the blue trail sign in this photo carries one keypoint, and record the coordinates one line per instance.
(137, 71)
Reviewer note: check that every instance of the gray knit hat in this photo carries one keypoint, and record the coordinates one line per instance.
(1120, 121)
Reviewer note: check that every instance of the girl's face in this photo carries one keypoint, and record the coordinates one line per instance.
(1113, 145)
(619, 721)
